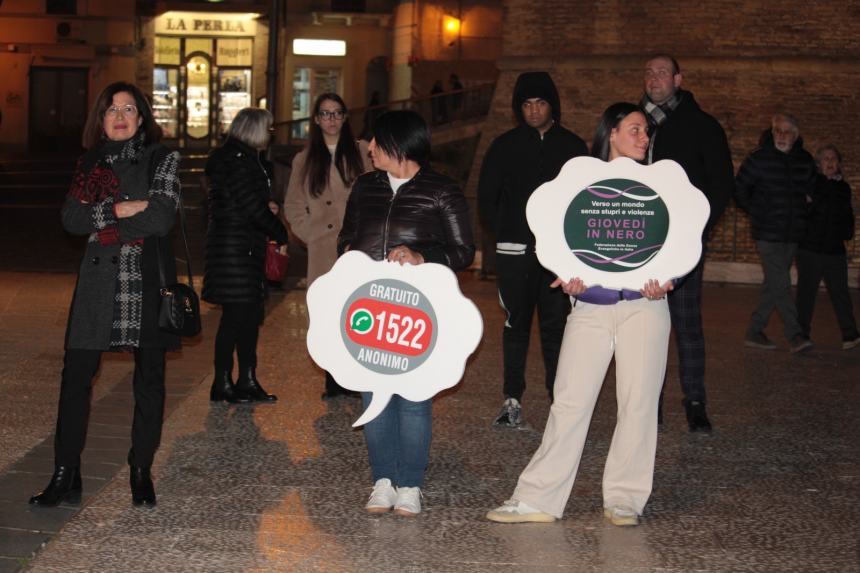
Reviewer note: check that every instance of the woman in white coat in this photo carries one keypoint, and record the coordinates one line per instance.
(320, 183)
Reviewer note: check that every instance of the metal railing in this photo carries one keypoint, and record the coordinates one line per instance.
(437, 110)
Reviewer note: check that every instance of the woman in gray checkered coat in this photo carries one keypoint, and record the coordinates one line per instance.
(124, 197)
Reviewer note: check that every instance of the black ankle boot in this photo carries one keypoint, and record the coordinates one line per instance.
(224, 390)
(697, 419)
(333, 389)
(65, 485)
(142, 490)
(248, 385)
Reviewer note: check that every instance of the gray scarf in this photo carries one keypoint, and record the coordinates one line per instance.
(657, 115)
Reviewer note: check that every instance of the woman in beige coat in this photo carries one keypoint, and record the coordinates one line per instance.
(320, 182)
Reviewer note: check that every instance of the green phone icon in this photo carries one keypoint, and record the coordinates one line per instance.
(361, 321)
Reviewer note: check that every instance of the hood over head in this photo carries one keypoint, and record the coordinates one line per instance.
(535, 84)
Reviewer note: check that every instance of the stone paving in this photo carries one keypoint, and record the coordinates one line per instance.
(282, 487)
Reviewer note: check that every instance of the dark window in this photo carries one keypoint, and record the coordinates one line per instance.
(61, 7)
(348, 5)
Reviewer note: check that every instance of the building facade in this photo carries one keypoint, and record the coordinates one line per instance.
(203, 61)
(743, 61)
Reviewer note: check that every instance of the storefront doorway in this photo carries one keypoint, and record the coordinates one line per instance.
(198, 97)
(201, 79)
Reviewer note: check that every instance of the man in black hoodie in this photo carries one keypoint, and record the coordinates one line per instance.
(517, 163)
(774, 185)
(681, 131)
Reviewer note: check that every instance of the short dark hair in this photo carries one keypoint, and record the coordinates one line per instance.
(94, 128)
(610, 119)
(403, 134)
(676, 68)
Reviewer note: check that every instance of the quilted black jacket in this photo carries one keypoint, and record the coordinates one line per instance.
(428, 214)
(774, 187)
(240, 223)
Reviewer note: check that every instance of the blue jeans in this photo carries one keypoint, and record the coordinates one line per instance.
(398, 441)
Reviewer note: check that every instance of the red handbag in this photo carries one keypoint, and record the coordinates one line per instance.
(276, 263)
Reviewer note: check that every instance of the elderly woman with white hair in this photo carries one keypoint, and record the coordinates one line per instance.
(240, 226)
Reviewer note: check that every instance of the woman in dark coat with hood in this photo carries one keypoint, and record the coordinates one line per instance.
(124, 196)
(240, 226)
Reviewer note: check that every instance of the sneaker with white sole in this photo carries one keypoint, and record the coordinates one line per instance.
(621, 516)
(510, 415)
(513, 511)
(849, 344)
(756, 339)
(408, 502)
(383, 497)
(800, 344)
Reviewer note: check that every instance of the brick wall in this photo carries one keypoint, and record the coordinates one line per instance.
(743, 61)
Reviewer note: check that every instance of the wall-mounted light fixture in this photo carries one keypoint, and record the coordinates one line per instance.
(309, 47)
(451, 24)
(450, 29)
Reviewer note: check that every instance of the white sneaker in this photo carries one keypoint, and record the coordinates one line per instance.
(382, 498)
(513, 511)
(621, 516)
(408, 502)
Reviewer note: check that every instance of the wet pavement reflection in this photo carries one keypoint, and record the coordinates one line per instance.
(281, 487)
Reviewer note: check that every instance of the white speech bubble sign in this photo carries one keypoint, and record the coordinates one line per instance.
(618, 224)
(388, 328)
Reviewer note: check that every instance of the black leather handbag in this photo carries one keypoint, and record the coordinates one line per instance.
(179, 312)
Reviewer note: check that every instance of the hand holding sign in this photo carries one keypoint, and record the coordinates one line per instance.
(388, 328)
(618, 224)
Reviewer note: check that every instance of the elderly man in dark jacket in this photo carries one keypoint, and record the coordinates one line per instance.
(681, 131)
(517, 163)
(774, 186)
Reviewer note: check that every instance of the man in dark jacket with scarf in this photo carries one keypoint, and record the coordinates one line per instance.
(517, 163)
(774, 185)
(681, 131)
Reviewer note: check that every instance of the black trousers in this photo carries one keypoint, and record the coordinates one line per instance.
(524, 286)
(80, 367)
(811, 268)
(238, 330)
(685, 308)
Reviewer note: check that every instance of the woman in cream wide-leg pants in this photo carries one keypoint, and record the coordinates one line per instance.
(637, 333)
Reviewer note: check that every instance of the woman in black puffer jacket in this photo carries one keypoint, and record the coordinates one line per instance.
(407, 213)
(240, 225)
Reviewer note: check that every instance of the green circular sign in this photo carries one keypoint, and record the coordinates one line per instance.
(616, 225)
(361, 321)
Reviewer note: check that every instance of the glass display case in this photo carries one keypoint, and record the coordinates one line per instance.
(234, 93)
(165, 100)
